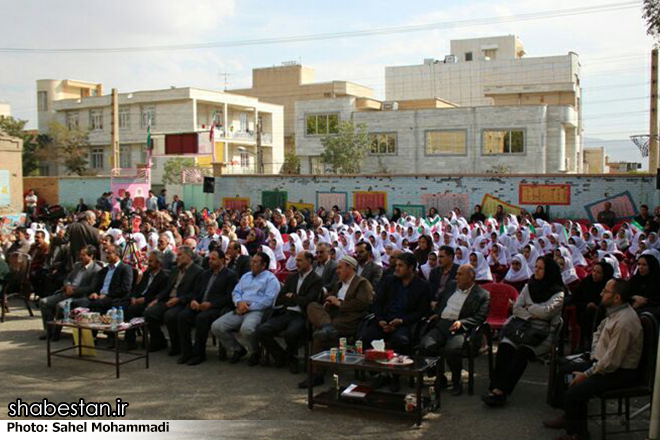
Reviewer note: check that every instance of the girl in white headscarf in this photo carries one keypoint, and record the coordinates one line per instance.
(565, 262)
(272, 265)
(576, 255)
(481, 245)
(531, 254)
(297, 247)
(430, 264)
(623, 238)
(480, 265)
(461, 255)
(544, 246)
(653, 241)
(579, 244)
(612, 261)
(519, 272)
(277, 249)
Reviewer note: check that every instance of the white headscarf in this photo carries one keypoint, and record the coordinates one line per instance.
(578, 258)
(568, 274)
(523, 274)
(426, 267)
(483, 269)
(465, 253)
(533, 256)
(272, 265)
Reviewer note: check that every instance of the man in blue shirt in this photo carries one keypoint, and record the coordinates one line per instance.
(253, 295)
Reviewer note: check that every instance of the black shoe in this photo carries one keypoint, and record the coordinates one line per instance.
(174, 352)
(457, 389)
(316, 381)
(326, 333)
(294, 368)
(253, 359)
(157, 347)
(395, 384)
(491, 399)
(196, 360)
(184, 359)
(238, 355)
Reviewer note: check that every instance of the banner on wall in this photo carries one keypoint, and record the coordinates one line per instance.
(239, 203)
(5, 197)
(329, 199)
(138, 191)
(489, 206)
(445, 203)
(300, 206)
(623, 206)
(369, 199)
(532, 194)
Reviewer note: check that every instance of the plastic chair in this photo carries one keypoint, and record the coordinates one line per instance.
(500, 296)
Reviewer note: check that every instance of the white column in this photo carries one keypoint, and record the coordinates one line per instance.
(561, 149)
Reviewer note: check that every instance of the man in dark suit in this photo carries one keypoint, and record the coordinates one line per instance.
(77, 284)
(325, 267)
(341, 312)
(442, 275)
(300, 289)
(463, 306)
(366, 267)
(83, 233)
(111, 284)
(402, 300)
(172, 300)
(211, 299)
(145, 293)
(237, 262)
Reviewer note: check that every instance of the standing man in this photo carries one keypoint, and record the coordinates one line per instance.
(162, 199)
(607, 216)
(212, 297)
(177, 205)
(83, 233)
(31, 205)
(300, 289)
(254, 294)
(152, 202)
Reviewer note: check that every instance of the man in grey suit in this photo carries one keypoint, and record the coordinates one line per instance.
(463, 306)
(78, 284)
(325, 267)
(366, 266)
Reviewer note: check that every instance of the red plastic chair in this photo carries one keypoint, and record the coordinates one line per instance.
(285, 238)
(581, 273)
(282, 276)
(500, 296)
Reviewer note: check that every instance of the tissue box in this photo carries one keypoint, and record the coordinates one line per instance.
(377, 355)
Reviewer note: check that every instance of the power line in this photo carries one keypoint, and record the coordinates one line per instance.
(611, 7)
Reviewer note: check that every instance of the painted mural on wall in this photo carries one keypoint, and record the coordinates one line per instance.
(138, 191)
(489, 206)
(5, 198)
(444, 203)
(329, 199)
(532, 194)
(623, 206)
(300, 206)
(369, 199)
(239, 203)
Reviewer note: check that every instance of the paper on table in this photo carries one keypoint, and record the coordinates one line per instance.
(378, 345)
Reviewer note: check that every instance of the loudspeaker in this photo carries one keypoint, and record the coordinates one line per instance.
(209, 184)
(657, 179)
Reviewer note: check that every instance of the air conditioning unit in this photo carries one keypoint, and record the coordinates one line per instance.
(390, 105)
(429, 60)
(451, 59)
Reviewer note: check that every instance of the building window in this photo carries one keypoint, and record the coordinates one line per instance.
(245, 160)
(468, 56)
(124, 117)
(316, 165)
(72, 120)
(491, 54)
(446, 142)
(96, 119)
(383, 143)
(42, 101)
(323, 124)
(243, 122)
(504, 141)
(125, 157)
(43, 170)
(147, 113)
(97, 158)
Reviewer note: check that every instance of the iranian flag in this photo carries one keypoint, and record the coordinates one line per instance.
(212, 132)
(637, 226)
(150, 144)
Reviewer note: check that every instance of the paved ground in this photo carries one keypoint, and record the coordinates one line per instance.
(261, 402)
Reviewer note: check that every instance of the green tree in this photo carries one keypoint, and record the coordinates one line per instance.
(173, 169)
(344, 151)
(32, 145)
(71, 148)
(291, 164)
(651, 14)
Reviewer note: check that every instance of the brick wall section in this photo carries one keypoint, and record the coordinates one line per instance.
(585, 189)
(10, 160)
(46, 188)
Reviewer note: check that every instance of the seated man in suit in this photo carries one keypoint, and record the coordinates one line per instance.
(445, 273)
(237, 262)
(145, 293)
(341, 312)
(254, 294)
(463, 306)
(300, 289)
(210, 300)
(325, 267)
(111, 284)
(173, 300)
(78, 283)
(366, 267)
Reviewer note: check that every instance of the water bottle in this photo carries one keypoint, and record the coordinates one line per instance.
(67, 311)
(113, 318)
(120, 315)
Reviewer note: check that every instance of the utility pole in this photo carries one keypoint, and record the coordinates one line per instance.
(260, 154)
(115, 130)
(653, 130)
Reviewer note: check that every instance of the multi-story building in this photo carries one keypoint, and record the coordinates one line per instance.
(179, 120)
(435, 136)
(595, 161)
(293, 82)
(624, 167)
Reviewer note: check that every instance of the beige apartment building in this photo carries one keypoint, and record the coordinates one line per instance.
(291, 82)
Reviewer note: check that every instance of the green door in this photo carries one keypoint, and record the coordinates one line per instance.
(274, 199)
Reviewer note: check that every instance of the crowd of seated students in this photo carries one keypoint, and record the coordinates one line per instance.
(248, 277)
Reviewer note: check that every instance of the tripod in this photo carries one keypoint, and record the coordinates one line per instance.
(132, 251)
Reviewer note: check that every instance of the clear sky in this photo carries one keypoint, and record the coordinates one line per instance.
(613, 47)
